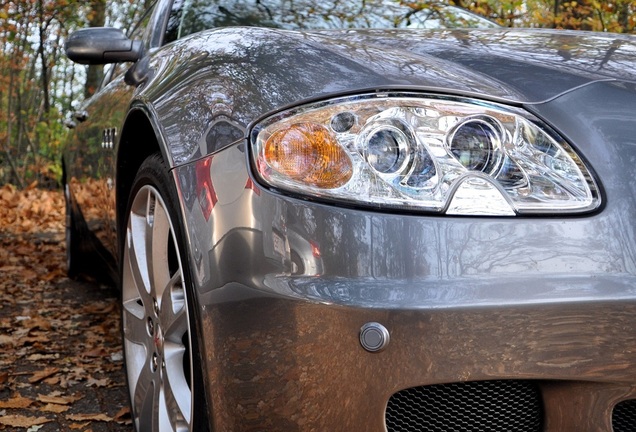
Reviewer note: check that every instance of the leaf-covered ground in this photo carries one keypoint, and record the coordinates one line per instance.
(60, 351)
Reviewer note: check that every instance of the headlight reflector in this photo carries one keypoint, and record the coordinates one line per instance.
(423, 152)
(474, 143)
(386, 149)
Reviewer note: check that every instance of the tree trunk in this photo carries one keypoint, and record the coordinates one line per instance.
(7, 146)
(44, 77)
(623, 16)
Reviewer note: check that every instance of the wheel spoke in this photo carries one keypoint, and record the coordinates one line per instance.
(137, 291)
(138, 252)
(177, 392)
(160, 238)
(155, 318)
(135, 284)
(146, 397)
(174, 322)
(135, 328)
(173, 313)
(150, 241)
(163, 415)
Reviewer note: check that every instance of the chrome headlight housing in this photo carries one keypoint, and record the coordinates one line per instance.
(428, 153)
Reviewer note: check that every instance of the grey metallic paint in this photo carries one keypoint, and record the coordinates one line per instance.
(463, 298)
(551, 299)
(244, 73)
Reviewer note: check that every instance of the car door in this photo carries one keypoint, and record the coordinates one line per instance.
(90, 165)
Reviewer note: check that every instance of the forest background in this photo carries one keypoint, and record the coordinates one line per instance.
(39, 87)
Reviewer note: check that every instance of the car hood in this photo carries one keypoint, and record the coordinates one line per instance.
(523, 66)
(229, 78)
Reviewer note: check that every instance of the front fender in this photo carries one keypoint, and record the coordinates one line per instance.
(207, 88)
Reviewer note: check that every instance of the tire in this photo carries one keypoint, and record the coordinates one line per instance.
(159, 325)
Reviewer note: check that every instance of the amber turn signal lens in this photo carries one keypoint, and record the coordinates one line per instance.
(308, 153)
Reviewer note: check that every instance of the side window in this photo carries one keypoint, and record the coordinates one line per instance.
(137, 32)
(192, 16)
(174, 21)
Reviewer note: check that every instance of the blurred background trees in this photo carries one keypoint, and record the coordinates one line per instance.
(39, 87)
(616, 16)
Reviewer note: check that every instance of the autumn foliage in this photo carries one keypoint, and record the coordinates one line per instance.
(39, 87)
(31, 211)
(592, 15)
(60, 350)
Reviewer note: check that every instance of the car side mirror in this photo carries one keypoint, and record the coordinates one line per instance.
(101, 45)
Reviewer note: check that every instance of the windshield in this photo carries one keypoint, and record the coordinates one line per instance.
(191, 16)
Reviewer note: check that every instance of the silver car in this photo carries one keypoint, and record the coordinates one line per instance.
(353, 216)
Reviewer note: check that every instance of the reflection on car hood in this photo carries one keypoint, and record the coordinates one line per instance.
(520, 65)
(229, 77)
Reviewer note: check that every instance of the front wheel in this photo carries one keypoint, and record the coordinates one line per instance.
(159, 332)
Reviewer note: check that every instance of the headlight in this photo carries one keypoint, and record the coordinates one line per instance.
(428, 153)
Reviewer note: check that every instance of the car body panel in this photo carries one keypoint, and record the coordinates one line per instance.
(90, 161)
(311, 373)
(284, 284)
(548, 299)
(245, 73)
(463, 299)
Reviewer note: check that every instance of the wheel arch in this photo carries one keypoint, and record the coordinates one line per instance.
(139, 139)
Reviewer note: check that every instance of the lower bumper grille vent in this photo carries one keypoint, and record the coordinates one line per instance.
(467, 407)
(624, 416)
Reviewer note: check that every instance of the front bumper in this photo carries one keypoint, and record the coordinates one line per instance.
(551, 300)
(286, 365)
(284, 286)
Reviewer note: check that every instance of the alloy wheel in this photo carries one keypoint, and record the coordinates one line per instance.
(155, 321)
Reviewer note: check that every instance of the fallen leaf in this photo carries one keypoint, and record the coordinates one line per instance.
(22, 421)
(36, 322)
(33, 340)
(100, 308)
(38, 357)
(92, 382)
(75, 426)
(12, 268)
(16, 402)
(91, 417)
(117, 357)
(52, 381)
(6, 340)
(122, 414)
(54, 408)
(55, 398)
(96, 352)
(39, 376)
